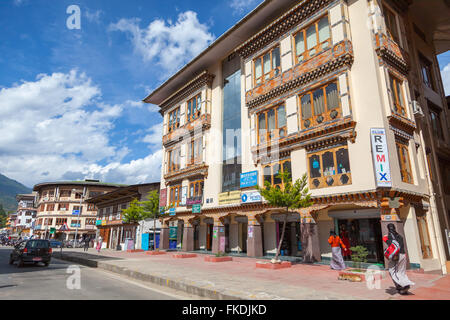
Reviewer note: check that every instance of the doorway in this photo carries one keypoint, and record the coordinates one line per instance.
(243, 231)
(209, 237)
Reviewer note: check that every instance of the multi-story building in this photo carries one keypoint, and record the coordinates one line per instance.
(110, 224)
(327, 88)
(62, 210)
(26, 214)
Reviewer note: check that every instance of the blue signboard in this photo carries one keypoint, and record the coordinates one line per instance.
(172, 211)
(249, 179)
(76, 212)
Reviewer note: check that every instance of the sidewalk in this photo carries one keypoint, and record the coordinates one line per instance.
(240, 279)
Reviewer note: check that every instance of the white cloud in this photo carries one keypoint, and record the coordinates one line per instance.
(58, 127)
(241, 6)
(445, 73)
(93, 16)
(155, 137)
(170, 45)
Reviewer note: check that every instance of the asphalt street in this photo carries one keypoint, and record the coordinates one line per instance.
(43, 283)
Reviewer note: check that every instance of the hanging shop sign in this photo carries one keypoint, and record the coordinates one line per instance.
(183, 196)
(380, 157)
(196, 208)
(76, 212)
(163, 197)
(249, 179)
(172, 211)
(173, 233)
(98, 222)
(250, 197)
(250, 231)
(194, 200)
(52, 230)
(230, 197)
(103, 222)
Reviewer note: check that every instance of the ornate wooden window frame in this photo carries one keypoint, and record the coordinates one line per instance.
(395, 83)
(195, 153)
(389, 14)
(276, 131)
(173, 125)
(273, 71)
(336, 178)
(193, 107)
(171, 166)
(175, 200)
(327, 115)
(404, 161)
(319, 46)
(198, 186)
(272, 174)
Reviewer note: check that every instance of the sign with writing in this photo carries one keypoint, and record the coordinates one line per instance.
(250, 231)
(173, 233)
(183, 196)
(194, 200)
(222, 244)
(250, 196)
(76, 212)
(75, 225)
(163, 197)
(103, 222)
(172, 211)
(249, 179)
(215, 232)
(197, 208)
(98, 222)
(380, 157)
(52, 230)
(230, 197)
(390, 217)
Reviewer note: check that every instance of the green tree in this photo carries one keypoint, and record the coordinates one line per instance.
(359, 255)
(289, 197)
(3, 217)
(151, 210)
(133, 214)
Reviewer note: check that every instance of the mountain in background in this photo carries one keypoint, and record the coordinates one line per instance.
(8, 190)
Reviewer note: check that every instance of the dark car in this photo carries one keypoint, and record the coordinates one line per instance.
(31, 251)
(56, 244)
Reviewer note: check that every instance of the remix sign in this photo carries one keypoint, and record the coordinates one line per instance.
(380, 157)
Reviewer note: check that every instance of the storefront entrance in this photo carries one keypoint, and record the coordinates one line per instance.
(209, 236)
(291, 245)
(363, 232)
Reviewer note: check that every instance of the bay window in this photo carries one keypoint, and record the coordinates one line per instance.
(405, 164)
(175, 196)
(272, 124)
(328, 168)
(174, 160)
(196, 188)
(312, 39)
(195, 151)
(320, 105)
(397, 95)
(267, 66)
(174, 119)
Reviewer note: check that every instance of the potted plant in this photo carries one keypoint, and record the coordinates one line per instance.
(218, 257)
(359, 255)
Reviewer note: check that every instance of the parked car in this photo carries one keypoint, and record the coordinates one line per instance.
(56, 244)
(31, 251)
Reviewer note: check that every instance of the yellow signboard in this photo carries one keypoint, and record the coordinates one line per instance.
(230, 197)
(103, 222)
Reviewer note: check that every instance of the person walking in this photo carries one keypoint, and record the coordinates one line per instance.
(86, 243)
(397, 265)
(99, 243)
(337, 262)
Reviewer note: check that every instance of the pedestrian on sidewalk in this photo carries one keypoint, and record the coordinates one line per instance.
(337, 262)
(397, 265)
(86, 243)
(99, 244)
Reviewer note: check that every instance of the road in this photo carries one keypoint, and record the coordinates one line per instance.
(48, 283)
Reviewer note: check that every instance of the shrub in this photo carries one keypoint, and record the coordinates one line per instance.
(359, 255)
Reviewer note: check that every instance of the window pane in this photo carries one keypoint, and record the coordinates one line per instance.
(311, 38)
(271, 121)
(332, 96)
(306, 106)
(276, 171)
(328, 164)
(199, 102)
(281, 114)
(267, 174)
(343, 164)
(314, 166)
(400, 95)
(258, 69)
(262, 127)
(319, 103)
(324, 29)
(266, 65)
(299, 44)
(276, 58)
(287, 167)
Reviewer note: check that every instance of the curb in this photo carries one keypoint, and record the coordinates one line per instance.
(165, 282)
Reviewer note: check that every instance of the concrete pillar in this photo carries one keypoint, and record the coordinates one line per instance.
(310, 242)
(164, 238)
(392, 216)
(293, 239)
(218, 235)
(188, 237)
(254, 238)
(234, 238)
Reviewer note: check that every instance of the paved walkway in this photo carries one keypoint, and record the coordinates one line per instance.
(241, 279)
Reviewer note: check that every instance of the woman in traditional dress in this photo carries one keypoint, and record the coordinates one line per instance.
(397, 266)
(99, 243)
(337, 262)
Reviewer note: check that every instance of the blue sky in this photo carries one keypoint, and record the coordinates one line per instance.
(70, 99)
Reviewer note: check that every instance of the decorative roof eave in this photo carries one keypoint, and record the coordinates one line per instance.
(345, 60)
(190, 171)
(391, 53)
(291, 18)
(402, 123)
(205, 78)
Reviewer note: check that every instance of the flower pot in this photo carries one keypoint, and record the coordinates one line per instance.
(218, 259)
(184, 255)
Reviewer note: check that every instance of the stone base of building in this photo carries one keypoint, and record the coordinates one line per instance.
(217, 259)
(273, 266)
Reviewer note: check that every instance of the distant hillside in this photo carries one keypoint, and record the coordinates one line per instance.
(8, 190)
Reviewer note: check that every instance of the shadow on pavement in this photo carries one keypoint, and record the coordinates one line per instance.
(85, 255)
